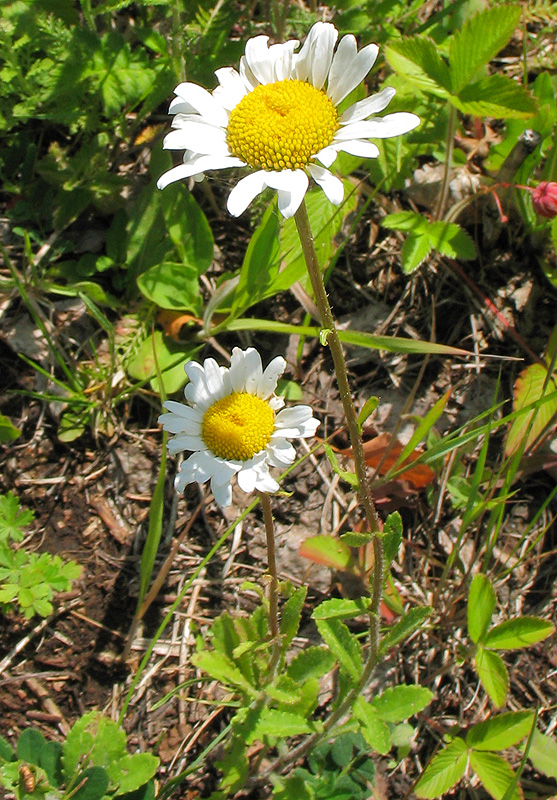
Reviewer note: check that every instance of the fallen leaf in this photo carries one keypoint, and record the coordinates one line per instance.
(382, 454)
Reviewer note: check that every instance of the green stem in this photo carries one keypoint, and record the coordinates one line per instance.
(265, 501)
(444, 195)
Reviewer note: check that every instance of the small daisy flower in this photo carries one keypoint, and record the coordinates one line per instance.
(278, 116)
(231, 425)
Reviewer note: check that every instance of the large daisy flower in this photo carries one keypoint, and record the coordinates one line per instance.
(279, 116)
(231, 425)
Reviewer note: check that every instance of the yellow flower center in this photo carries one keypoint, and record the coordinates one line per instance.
(238, 426)
(281, 125)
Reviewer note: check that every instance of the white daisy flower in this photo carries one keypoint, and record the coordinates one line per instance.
(231, 425)
(279, 115)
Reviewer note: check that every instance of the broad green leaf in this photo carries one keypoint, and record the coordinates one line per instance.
(419, 61)
(95, 737)
(481, 605)
(187, 227)
(398, 703)
(409, 221)
(444, 771)
(451, 240)
(326, 550)
(341, 609)
(516, 633)
(374, 729)
(532, 385)
(172, 286)
(493, 675)
(6, 750)
(543, 754)
(392, 536)
(261, 263)
(171, 357)
(478, 41)
(343, 644)
(132, 771)
(8, 431)
(51, 761)
(291, 615)
(495, 96)
(29, 746)
(410, 622)
(93, 784)
(221, 668)
(495, 774)
(270, 722)
(501, 731)
(313, 662)
(415, 250)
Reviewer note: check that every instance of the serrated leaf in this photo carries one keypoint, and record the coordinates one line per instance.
(495, 774)
(495, 96)
(285, 690)
(234, 765)
(415, 250)
(501, 731)
(528, 389)
(374, 729)
(418, 60)
(481, 605)
(392, 536)
(543, 754)
(405, 221)
(493, 675)
(313, 662)
(451, 240)
(516, 633)
(338, 608)
(478, 41)
(444, 771)
(291, 615)
(281, 724)
(93, 736)
(344, 646)
(13, 518)
(410, 622)
(398, 703)
(221, 668)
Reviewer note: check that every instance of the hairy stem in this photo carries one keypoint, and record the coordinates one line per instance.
(265, 501)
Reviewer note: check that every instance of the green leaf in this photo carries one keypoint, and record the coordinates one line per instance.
(6, 750)
(341, 609)
(410, 622)
(478, 42)
(188, 228)
(13, 518)
(95, 737)
(398, 703)
(532, 385)
(392, 536)
(261, 264)
(93, 784)
(132, 771)
(410, 221)
(172, 286)
(349, 477)
(170, 356)
(495, 774)
(291, 615)
(8, 431)
(501, 731)
(313, 662)
(234, 765)
(285, 691)
(415, 250)
(444, 771)
(481, 605)
(51, 761)
(326, 550)
(29, 746)
(344, 645)
(493, 675)
(517, 633)
(374, 729)
(270, 722)
(221, 668)
(495, 96)
(419, 61)
(543, 754)
(451, 240)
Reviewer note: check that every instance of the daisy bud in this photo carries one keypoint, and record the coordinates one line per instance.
(544, 198)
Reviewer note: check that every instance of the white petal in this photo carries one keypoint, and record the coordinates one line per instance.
(314, 60)
(188, 414)
(197, 168)
(232, 88)
(222, 493)
(176, 423)
(175, 174)
(349, 68)
(379, 127)
(237, 373)
(331, 185)
(291, 184)
(282, 453)
(253, 369)
(259, 60)
(283, 65)
(358, 148)
(191, 97)
(198, 137)
(327, 155)
(184, 442)
(213, 378)
(268, 381)
(245, 190)
(276, 403)
(370, 105)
